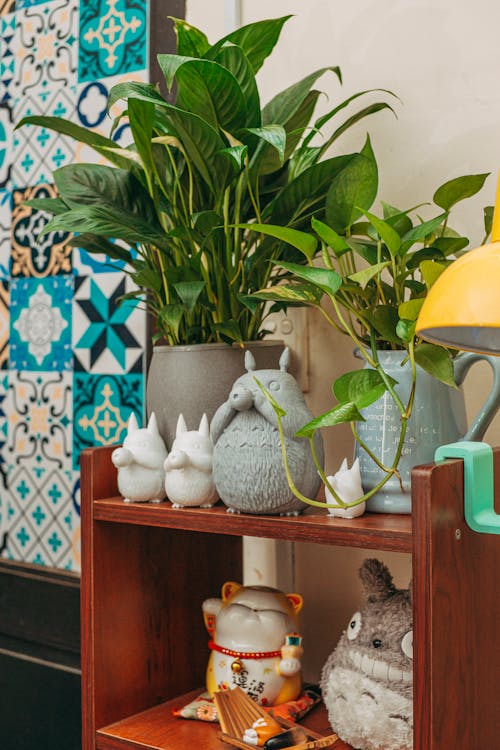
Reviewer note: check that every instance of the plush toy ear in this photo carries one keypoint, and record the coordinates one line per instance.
(228, 589)
(296, 601)
(376, 579)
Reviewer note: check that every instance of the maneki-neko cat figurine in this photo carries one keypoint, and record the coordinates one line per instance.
(255, 643)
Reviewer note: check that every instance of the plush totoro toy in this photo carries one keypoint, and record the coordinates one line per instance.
(367, 682)
(248, 464)
(140, 463)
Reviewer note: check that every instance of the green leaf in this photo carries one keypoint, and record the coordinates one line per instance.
(360, 387)
(450, 245)
(431, 271)
(363, 277)
(406, 330)
(190, 41)
(437, 362)
(82, 185)
(95, 244)
(170, 318)
(284, 105)
(236, 154)
(422, 231)
(457, 189)
(386, 233)
(189, 292)
(145, 92)
(385, 319)
(109, 222)
(141, 118)
(301, 293)
(229, 330)
(306, 243)
(96, 141)
(274, 135)
(257, 40)
(410, 310)
(233, 59)
(488, 219)
(397, 219)
(326, 280)
(330, 237)
(50, 205)
(208, 90)
(340, 414)
(426, 253)
(352, 191)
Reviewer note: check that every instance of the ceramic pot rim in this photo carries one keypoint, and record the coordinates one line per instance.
(226, 347)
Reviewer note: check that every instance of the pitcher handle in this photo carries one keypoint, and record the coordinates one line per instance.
(462, 364)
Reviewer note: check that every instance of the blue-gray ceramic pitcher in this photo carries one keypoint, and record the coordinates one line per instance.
(438, 418)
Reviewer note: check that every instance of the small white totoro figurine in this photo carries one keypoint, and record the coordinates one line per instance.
(188, 468)
(140, 463)
(347, 484)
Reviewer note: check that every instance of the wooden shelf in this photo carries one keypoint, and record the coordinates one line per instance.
(371, 531)
(157, 729)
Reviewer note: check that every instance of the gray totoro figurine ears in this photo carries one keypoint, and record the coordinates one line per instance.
(204, 428)
(250, 363)
(285, 360)
(153, 425)
(377, 580)
(181, 426)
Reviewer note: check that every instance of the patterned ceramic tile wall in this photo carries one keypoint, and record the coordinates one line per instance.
(71, 358)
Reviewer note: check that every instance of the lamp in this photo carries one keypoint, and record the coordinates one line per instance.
(462, 310)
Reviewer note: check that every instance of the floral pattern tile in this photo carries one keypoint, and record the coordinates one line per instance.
(6, 142)
(40, 324)
(35, 254)
(102, 405)
(4, 324)
(112, 38)
(5, 233)
(46, 48)
(108, 336)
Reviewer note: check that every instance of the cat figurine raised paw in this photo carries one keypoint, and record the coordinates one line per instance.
(140, 463)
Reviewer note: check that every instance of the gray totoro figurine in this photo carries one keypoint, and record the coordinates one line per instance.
(247, 464)
(367, 682)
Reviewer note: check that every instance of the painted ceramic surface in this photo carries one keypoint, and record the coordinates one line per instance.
(71, 359)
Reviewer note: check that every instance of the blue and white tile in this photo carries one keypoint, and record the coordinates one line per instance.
(102, 405)
(112, 38)
(7, 51)
(40, 324)
(109, 336)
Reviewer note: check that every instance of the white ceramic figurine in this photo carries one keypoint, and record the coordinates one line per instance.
(140, 463)
(188, 468)
(347, 484)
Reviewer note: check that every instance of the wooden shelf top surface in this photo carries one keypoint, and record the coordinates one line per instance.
(370, 531)
(157, 729)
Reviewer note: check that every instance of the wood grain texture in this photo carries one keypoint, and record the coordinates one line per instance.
(456, 616)
(371, 531)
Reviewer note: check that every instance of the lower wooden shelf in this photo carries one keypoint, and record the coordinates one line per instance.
(157, 729)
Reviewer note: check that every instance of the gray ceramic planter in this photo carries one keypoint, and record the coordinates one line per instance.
(196, 379)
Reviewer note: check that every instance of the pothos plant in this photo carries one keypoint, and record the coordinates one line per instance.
(376, 272)
(196, 170)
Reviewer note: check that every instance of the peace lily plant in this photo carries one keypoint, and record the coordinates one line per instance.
(376, 272)
(181, 205)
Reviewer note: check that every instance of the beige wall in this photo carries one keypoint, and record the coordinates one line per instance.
(442, 59)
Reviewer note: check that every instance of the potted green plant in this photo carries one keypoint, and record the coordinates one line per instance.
(194, 173)
(375, 275)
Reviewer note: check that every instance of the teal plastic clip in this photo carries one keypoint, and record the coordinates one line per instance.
(479, 507)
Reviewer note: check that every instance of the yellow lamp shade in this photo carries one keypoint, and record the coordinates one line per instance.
(462, 309)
